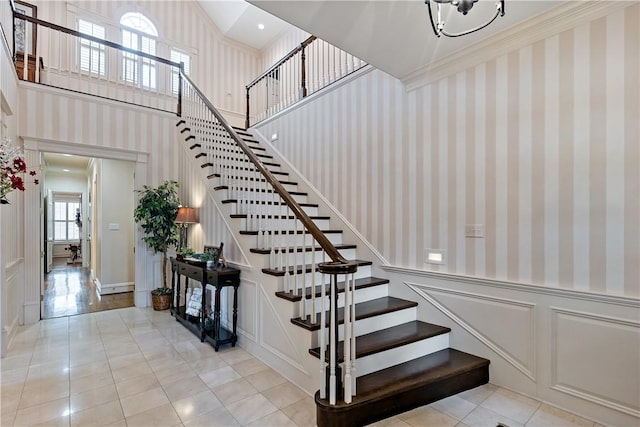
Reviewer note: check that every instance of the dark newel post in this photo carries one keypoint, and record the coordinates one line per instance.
(180, 89)
(303, 74)
(246, 119)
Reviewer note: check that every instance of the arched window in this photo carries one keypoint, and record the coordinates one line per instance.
(139, 33)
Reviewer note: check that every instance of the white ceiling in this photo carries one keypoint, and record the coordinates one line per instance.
(395, 35)
(239, 20)
(58, 162)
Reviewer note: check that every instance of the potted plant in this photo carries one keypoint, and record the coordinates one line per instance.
(209, 258)
(156, 213)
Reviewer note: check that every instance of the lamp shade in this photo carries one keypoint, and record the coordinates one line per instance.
(187, 216)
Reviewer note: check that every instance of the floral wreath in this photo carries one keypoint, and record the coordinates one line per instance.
(12, 168)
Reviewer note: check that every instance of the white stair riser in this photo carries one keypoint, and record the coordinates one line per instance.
(283, 258)
(254, 222)
(398, 355)
(363, 271)
(365, 294)
(376, 323)
(268, 240)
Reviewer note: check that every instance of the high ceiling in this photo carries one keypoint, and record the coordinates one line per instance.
(395, 35)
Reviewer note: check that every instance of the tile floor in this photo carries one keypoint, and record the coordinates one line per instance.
(137, 367)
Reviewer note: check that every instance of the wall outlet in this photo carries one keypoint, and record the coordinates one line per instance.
(474, 230)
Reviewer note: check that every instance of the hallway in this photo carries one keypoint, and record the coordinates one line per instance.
(69, 290)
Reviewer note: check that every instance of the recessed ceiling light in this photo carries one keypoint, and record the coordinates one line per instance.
(65, 170)
(68, 155)
(261, 26)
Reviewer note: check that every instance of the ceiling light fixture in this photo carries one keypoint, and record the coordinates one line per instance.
(463, 6)
(261, 26)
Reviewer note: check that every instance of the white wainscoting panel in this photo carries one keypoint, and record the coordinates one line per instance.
(247, 308)
(506, 326)
(606, 348)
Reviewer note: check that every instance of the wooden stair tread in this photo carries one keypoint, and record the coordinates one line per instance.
(276, 232)
(385, 339)
(280, 216)
(299, 269)
(364, 310)
(267, 251)
(405, 386)
(365, 282)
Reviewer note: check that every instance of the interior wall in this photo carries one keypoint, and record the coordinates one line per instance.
(539, 147)
(115, 225)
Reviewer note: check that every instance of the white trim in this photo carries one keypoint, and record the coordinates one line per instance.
(566, 16)
(523, 287)
(529, 373)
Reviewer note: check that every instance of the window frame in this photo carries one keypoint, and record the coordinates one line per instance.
(134, 67)
(66, 200)
(92, 47)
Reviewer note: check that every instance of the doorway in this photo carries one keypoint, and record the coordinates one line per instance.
(88, 246)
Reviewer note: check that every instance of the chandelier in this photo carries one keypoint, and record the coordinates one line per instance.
(463, 6)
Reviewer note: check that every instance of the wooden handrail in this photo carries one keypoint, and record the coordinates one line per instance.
(36, 21)
(284, 59)
(322, 240)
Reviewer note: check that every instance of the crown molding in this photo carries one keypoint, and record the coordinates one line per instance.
(559, 19)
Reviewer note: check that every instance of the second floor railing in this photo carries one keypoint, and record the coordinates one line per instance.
(309, 67)
(60, 57)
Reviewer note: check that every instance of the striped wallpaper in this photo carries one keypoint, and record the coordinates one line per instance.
(540, 146)
(220, 67)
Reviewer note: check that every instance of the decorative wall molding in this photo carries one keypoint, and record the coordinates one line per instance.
(244, 284)
(554, 21)
(575, 389)
(264, 303)
(523, 287)
(529, 372)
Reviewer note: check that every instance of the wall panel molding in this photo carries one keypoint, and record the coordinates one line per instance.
(610, 345)
(523, 287)
(429, 293)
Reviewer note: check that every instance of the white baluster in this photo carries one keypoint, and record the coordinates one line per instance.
(323, 342)
(347, 339)
(332, 341)
(353, 334)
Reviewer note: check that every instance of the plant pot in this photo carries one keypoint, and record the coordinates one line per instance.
(161, 302)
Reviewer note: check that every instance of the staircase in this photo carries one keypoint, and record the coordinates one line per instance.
(401, 362)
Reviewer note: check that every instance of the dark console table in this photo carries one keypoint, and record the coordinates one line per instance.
(220, 277)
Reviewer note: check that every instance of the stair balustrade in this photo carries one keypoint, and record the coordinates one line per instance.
(309, 67)
(68, 59)
(282, 226)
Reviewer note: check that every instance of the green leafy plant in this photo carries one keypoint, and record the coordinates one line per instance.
(186, 252)
(156, 213)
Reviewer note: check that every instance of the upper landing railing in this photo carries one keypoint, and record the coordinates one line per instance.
(60, 57)
(309, 67)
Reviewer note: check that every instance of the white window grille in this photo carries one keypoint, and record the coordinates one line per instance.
(92, 54)
(64, 220)
(139, 34)
(179, 57)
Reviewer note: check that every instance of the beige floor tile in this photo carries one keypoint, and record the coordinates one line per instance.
(128, 360)
(249, 367)
(549, 416)
(163, 415)
(251, 408)
(196, 405)
(82, 358)
(90, 398)
(483, 417)
(7, 416)
(426, 416)
(234, 355)
(137, 385)
(479, 394)
(220, 376)
(170, 374)
(144, 401)
(89, 369)
(10, 398)
(130, 371)
(265, 379)
(389, 422)
(219, 417)
(184, 388)
(302, 412)
(39, 392)
(56, 369)
(285, 394)
(63, 421)
(454, 406)
(208, 364)
(42, 413)
(14, 376)
(15, 362)
(90, 382)
(100, 415)
(276, 419)
(234, 391)
(512, 405)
